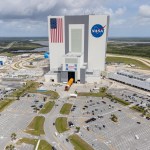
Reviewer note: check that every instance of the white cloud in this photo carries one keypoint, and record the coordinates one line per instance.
(144, 10)
(120, 11)
(30, 16)
(118, 22)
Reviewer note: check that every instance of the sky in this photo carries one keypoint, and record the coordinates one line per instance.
(27, 18)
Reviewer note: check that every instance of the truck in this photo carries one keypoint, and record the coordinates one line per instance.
(69, 83)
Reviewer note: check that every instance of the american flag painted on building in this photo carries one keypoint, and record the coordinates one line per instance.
(56, 30)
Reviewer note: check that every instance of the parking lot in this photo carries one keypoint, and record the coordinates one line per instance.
(132, 97)
(16, 118)
(130, 132)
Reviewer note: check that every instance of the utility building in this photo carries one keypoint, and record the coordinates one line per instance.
(3, 60)
(77, 46)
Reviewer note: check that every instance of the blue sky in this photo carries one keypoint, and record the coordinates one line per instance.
(128, 18)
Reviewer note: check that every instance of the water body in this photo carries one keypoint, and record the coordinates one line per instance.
(43, 49)
(23, 39)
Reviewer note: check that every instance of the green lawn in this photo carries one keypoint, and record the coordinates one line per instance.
(5, 103)
(127, 61)
(66, 109)
(47, 107)
(29, 87)
(61, 124)
(101, 93)
(52, 94)
(78, 143)
(44, 145)
(27, 141)
(36, 127)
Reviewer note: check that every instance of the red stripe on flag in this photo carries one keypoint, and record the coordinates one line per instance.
(56, 35)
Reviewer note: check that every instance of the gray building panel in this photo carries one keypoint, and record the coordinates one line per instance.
(82, 75)
(64, 76)
(59, 77)
(77, 20)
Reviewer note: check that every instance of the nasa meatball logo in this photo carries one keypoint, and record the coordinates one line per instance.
(97, 30)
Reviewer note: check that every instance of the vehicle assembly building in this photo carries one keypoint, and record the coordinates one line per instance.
(77, 46)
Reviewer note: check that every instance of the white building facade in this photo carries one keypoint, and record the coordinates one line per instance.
(77, 46)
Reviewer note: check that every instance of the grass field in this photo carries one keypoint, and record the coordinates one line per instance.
(27, 141)
(44, 145)
(24, 46)
(36, 127)
(5, 103)
(138, 49)
(47, 107)
(101, 93)
(127, 61)
(78, 143)
(66, 109)
(61, 124)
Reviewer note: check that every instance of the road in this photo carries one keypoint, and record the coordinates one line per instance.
(143, 60)
(58, 141)
(8, 46)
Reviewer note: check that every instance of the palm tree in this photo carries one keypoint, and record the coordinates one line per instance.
(10, 147)
(13, 136)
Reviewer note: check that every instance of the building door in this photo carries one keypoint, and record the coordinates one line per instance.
(71, 74)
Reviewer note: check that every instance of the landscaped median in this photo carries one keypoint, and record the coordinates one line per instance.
(44, 145)
(103, 93)
(137, 108)
(66, 109)
(121, 101)
(78, 143)
(5, 103)
(52, 94)
(31, 87)
(27, 141)
(47, 107)
(61, 124)
(36, 127)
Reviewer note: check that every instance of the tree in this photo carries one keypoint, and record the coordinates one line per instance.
(10, 147)
(114, 118)
(13, 136)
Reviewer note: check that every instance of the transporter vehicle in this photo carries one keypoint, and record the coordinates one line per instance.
(90, 120)
(73, 95)
(70, 82)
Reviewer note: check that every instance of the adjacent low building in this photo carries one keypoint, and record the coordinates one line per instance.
(131, 78)
(3, 59)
